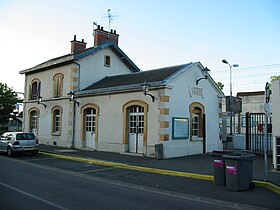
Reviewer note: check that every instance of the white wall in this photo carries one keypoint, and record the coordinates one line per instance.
(180, 99)
(46, 78)
(110, 122)
(45, 118)
(93, 69)
(45, 123)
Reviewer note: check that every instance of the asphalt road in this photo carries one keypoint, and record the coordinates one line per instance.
(30, 186)
(41, 182)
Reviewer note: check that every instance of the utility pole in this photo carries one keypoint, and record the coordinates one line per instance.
(267, 116)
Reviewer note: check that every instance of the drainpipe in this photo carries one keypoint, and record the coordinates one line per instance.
(74, 109)
(73, 126)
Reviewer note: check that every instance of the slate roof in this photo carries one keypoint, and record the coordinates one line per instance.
(153, 77)
(72, 57)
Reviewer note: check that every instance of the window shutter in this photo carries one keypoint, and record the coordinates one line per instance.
(29, 92)
(39, 89)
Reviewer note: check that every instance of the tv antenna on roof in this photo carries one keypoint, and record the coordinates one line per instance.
(94, 24)
(110, 16)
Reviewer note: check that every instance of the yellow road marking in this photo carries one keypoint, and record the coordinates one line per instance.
(97, 170)
(267, 185)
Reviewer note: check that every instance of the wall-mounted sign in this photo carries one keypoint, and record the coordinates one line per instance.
(180, 128)
(195, 91)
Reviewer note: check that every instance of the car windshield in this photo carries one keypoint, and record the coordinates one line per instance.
(25, 136)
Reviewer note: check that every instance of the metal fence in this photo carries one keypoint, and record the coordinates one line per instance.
(255, 133)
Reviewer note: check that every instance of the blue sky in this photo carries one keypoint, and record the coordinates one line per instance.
(153, 33)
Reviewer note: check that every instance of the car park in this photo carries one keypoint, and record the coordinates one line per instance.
(14, 142)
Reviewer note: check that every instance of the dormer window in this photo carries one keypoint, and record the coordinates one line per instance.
(107, 61)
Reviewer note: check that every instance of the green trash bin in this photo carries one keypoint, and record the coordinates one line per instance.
(219, 166)
(239, 171)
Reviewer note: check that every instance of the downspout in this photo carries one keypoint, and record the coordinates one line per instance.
(204, 134)
(74, 110)
(73, 130)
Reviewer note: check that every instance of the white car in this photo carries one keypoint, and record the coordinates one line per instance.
(12, 142)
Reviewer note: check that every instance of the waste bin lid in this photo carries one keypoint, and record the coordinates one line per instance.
(245, 156)
(221, 152)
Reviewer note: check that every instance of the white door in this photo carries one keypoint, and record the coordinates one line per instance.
(90, 123)
(34, 122)
(136, 129)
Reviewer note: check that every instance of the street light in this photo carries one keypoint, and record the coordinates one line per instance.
(146, 88)
(39, 101)
(230, 102)
(71, 95)
(205, 73)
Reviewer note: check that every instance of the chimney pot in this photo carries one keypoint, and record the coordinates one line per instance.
(77, 45)
(101, 36)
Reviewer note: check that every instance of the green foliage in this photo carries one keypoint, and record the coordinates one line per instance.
(8, 100)
(220, 85)
(272, 78)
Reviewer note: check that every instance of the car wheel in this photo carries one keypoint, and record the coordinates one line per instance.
(35, 152)
(10, 152)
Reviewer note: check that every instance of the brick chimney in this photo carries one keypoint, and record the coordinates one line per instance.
(77, 45)
(101, 36)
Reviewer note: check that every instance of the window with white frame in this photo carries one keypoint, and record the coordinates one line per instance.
(196, 118)
(56, 121)
(195, 125)
(33, 121)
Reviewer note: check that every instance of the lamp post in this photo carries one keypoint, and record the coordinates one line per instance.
(39, 101)
(72, 98)
(205, 73)
(230, 98)
(146, 88)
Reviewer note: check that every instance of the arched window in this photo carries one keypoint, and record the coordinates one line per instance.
(58, 85)
(33, 120)
(34, 89)
(56, 120)
(196, 116)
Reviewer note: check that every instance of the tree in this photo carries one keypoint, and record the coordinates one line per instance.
(8, 101)
(272, 78)
(220, 85)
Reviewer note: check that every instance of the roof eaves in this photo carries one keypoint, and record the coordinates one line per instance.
(124, 57)
(123, 88)
(115, 48)
(50, 63)
(212, 81)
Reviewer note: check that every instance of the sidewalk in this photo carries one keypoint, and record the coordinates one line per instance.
(190, 177)
(197, 164)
